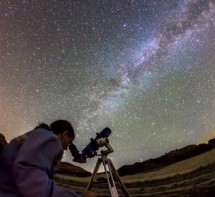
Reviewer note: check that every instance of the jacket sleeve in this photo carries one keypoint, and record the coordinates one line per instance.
(33, 167)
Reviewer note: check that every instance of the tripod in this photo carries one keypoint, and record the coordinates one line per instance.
(112, 176)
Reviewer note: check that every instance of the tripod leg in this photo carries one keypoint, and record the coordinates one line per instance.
(116, 176)
(110, 180)
(98, 163)
(114, 189)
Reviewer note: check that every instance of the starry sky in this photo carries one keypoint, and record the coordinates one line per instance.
(144, 68)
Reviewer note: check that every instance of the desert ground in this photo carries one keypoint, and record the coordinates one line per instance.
(194, 177)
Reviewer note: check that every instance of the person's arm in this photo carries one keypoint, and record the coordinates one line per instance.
(33, 168)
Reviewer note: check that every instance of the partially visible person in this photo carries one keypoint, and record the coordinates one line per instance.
(28, 162)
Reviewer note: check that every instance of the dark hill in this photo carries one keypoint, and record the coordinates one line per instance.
(72, 170)
(167, 159)
(3, 141)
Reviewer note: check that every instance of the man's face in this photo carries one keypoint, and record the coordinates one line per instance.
(65, 139)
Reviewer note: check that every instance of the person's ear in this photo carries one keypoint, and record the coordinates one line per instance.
(65, 133)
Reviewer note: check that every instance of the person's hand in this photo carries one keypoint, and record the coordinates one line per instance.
(90, 194)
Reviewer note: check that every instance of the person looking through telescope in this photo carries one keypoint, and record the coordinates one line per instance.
(28, 163)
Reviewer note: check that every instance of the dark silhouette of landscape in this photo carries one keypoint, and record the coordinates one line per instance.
(167, 159)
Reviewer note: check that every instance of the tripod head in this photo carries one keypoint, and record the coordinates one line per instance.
(109, 149)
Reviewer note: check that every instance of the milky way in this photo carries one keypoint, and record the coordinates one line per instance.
(146, 69)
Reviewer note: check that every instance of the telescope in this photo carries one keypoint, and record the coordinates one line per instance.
(90, 150)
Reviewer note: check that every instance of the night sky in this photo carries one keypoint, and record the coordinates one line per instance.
(144, 68)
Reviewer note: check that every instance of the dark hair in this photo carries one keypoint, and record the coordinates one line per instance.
(43, 126)
(59, 126)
